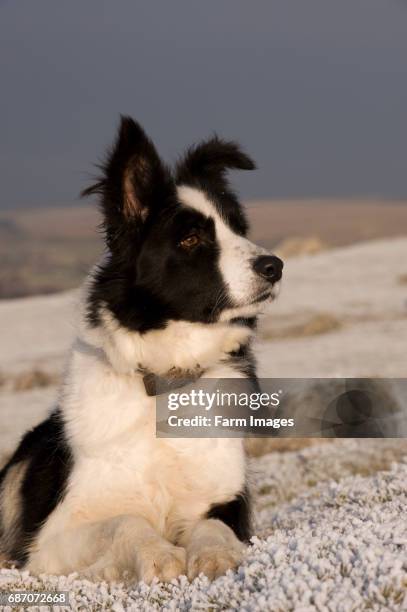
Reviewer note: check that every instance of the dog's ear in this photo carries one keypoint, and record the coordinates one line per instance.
(134, 180)
(204, 166)
(209, 161)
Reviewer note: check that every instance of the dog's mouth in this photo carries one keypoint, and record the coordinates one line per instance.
(265, 295)
(270, 294)
(254, 307)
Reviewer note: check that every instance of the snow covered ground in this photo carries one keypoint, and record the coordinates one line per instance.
(331, 535)
(331, 530)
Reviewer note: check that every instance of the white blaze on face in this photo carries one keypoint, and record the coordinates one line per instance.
(236, 252)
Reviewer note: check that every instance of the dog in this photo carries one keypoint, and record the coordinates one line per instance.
(92, 489)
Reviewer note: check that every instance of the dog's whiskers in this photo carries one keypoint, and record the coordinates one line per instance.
(220, 301)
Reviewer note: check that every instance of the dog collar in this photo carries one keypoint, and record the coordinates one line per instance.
(175, 379)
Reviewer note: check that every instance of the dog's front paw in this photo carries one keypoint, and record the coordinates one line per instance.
(164, 562)
(214, 561)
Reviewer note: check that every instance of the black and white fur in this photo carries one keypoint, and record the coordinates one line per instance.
(92, 489)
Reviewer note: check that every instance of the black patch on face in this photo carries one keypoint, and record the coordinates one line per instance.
(148, 277)
(161, 280)
(236, 514)
(43, 487)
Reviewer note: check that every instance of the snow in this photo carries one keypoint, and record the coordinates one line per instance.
(331, 535)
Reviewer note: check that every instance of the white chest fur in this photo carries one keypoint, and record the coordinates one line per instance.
(120, 467)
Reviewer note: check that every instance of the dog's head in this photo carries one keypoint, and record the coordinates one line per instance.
(177, 246)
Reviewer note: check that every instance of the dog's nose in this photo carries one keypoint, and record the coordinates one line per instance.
(269, 267)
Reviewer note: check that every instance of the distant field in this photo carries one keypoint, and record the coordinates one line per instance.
(51, 249)
(46, 250)
(334, 222)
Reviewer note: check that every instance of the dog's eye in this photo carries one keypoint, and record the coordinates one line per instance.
(190, 241)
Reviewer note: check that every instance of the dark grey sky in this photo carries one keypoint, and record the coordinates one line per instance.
(316, 90)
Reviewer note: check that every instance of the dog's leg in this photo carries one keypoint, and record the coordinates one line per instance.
(71, 549)
(139, 552)
(124, 547)
(212, 548)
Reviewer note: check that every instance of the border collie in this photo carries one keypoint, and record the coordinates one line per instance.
(91, 489)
